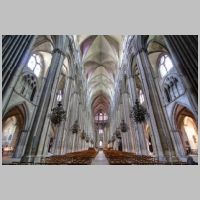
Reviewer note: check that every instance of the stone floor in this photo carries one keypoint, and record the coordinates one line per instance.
(100, 159)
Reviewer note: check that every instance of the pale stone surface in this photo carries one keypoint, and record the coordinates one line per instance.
(100, 159)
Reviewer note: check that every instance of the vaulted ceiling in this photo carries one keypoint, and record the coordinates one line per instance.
(100, 55)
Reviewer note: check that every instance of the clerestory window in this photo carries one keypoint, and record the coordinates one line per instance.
(165, 65)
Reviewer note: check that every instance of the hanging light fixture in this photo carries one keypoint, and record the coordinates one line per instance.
(75, 127)
(83, 134)
(113, 138)
(123, 126)
(87, 138)
(139, 112)
(109, 141)
(58, 113)
(91, 141)
(118, 133)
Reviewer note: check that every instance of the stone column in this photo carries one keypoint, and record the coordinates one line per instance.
(76, 113)
(59, 138)
(67, 128)
(21, 143)
(80, 119)
(179, 145)
(127, 121)
(41, 121)
(83, 127)
(123, 136)
(133, 126)
(74, 116)
(134, 135)
(138, 129)
(45, 139)
(157, 118)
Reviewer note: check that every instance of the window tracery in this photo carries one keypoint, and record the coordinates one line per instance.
(100, 117)
(165, 65)
(172, 88)
(28, 86)
(35, 64)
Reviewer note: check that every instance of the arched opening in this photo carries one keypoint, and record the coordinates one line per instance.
(52, 141)
(12, 125)
(187, 126)
(141, 96)
(165, 65)
(120, 144)
(62, 78)
(101, 137)
(100, 144)
(148, 138)
(34, 64)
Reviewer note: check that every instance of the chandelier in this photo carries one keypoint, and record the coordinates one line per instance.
(57, 114)
(92, 141)
(123, 126)
(113, 138)
(138, 113)
(118, 133)
(87, 138)
(75, 127)
(83, 135)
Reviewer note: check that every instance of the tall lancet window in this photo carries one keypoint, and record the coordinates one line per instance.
(100, 117)
(141, 96)
(165, 65)
(35, 64)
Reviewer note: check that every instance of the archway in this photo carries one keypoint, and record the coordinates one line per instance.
(12, 125)
(186, 125)
(148, 138)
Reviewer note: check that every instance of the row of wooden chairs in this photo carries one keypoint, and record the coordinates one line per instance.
(75, 158)
(126, 158)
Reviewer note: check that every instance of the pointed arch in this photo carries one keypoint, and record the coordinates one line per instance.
(24, 109)
(185, 125)
(177, 107)
(133, 63)
(14, 123)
